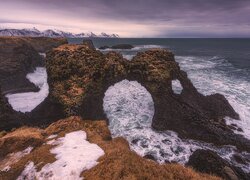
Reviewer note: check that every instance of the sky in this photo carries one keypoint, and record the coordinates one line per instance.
(132, 18)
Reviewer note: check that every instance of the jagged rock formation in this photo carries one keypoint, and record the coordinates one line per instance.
(207, 161)
(79, 76)
(119, 162)
(20, 56)
(17, 58)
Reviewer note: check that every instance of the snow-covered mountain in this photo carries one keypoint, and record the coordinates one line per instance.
(52, 33)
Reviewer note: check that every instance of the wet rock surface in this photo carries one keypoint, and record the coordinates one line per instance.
(207, 161)
(79, 76)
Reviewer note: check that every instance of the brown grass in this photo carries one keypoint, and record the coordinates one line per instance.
(119, 162)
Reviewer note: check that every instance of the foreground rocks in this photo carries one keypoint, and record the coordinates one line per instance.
(207, 161)
(79, 76)
(119, 162)
(20, 56)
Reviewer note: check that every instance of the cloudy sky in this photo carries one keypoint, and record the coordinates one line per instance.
(132, 18)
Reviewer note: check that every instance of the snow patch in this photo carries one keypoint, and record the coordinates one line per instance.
(74, 155)
(26, 102)
(53, 136)
(5, 164)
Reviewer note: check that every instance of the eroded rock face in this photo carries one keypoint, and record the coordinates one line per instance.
(43, 44)
(17, 58)
(79, 76)
(207, 161)
(20, 56)
(8, 117)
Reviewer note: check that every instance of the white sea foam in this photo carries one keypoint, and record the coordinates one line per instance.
(145, 47)
(130, 108)
(177, 87)
(216, 75)
(26, 102)
(74, 155)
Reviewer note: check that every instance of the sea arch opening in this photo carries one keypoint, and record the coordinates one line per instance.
(128, 105)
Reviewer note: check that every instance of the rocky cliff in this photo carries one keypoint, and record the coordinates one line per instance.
(79, 76)
(20, 56)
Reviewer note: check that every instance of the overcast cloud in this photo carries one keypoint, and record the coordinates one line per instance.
(132, 18)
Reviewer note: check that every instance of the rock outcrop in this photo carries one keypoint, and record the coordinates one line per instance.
(17, 58)
(119, 162)
(118, 46)
(8, 117)
(207, 161)
(79, 76)
(20, 56)
(43, 44)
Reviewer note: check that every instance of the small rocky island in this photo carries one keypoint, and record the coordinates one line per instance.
(78, 77)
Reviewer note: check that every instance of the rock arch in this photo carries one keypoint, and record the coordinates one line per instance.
(79, 76)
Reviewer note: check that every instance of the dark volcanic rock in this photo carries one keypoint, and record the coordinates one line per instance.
(104, 47)
(43, 44)
(207, 161)
(17, 58)
(122, 46)
(118, 46)
(8, 117)
(79, 76)
(89, 43)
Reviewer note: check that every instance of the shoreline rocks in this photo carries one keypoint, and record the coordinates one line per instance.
(206, 161)
(20, 56)
(118, 46)
(79, 76)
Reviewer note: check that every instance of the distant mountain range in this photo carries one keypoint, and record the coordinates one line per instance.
(52, 33)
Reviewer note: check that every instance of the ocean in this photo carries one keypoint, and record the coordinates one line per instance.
(213, 65)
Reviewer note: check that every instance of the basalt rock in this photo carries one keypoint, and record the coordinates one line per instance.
(20, 56)
(207, 161)
(118, 46)
(17, 58)
(44, 44)
(8, 117)
(79, 76)
(88, 43)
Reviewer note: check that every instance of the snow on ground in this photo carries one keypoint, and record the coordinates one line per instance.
(5, 164)
(52, 136)
(26, 102)
(74, 155)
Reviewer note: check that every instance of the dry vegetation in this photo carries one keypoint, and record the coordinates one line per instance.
(119, 162)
